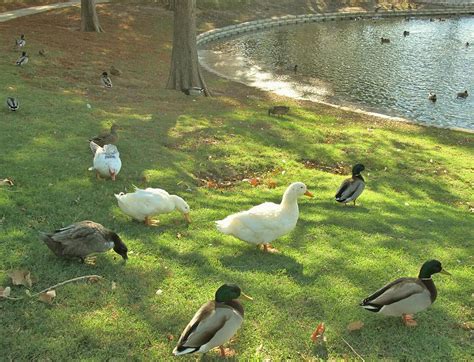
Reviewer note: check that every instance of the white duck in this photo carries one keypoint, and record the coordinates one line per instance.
(268, 221)
(143, 204)
(107, 161)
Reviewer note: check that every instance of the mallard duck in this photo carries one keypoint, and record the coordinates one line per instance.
(406, 296)
(115, 71)
(109, 138)
(20, 43)
(384, 40)
(266, 222)
(462, 94)
(6, 182)
(214, 324)
(353, 187)
(106, 162)
(432, 96)
(143, 204)
(193, 91)
(23, 59)
(82, 239)
(13, 104)
(105, 80)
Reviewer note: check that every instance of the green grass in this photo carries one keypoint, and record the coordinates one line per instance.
(416, 207)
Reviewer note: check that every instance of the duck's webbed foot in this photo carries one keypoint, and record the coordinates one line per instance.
(409, 321)
(270, 249)
(150, 222)
(226, 352)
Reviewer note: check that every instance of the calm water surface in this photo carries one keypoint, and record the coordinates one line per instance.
(345, 63)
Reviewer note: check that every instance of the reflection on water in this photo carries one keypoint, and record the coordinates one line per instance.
(345, 63)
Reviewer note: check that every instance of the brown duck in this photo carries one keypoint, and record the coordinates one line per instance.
(109, 138)
(82, 239)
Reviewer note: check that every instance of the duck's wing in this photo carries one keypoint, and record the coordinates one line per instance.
(350, 190)
(393, 292)
(94, 147)
(82, 239)
(206, 325)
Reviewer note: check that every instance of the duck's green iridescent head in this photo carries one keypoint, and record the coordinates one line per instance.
(357, 169)
(228, 292)
(431, 267)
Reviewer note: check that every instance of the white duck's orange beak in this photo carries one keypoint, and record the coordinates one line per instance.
(187, 218)
(309, 194)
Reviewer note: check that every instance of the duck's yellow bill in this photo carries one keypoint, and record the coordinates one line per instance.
(445, 272)
(187, 218)
(245, 296)
(309, 194)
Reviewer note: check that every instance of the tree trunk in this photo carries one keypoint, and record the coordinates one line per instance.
(89, 18)
(184, 71)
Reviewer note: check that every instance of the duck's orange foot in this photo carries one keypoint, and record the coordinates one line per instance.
(227, 352)
(151, 222)
(270, 249)
(409, 321)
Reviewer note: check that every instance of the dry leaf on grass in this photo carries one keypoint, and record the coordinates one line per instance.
(254, 181)
(318, 334)
(271, 184)
(114, 285)
(5, 292)
(159, 292)
(47, 297)
(468, 326)
(21, 277)
(170, 337)
(355, 326)
(6, 182)
(93, 279)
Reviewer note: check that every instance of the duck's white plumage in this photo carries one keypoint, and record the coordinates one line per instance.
(107, 161)
(142, 204)
(268, 221)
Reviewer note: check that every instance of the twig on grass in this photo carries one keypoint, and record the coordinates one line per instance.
(353, 350)
(66, 282)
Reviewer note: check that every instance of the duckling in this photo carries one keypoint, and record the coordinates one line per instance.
(193, 91)
(106, 162)
(105, 80)
(20, 43)
(13, 104)
(353, 187)
(214, 324)
(23, 59)
(462, 94)
(384, 40)
(406, 296)
(432, 97)
(82, 239)
(406, 33)
(110, 138)
(115, 71)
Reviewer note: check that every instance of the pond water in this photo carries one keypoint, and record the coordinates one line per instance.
(345, 63)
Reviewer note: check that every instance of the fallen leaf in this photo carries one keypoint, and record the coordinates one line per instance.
(259, 348)
(170, 337)
(355, 326)
(5, 292)
(271, 184)
(178, 235)
(318, 334)
(468, 326)
(47, 297)
(254, 181)
(6, 182)
(93, 279)
(114, 285)
(21, 277)
(159, 292)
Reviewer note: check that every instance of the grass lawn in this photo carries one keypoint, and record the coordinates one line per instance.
(417, 206)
